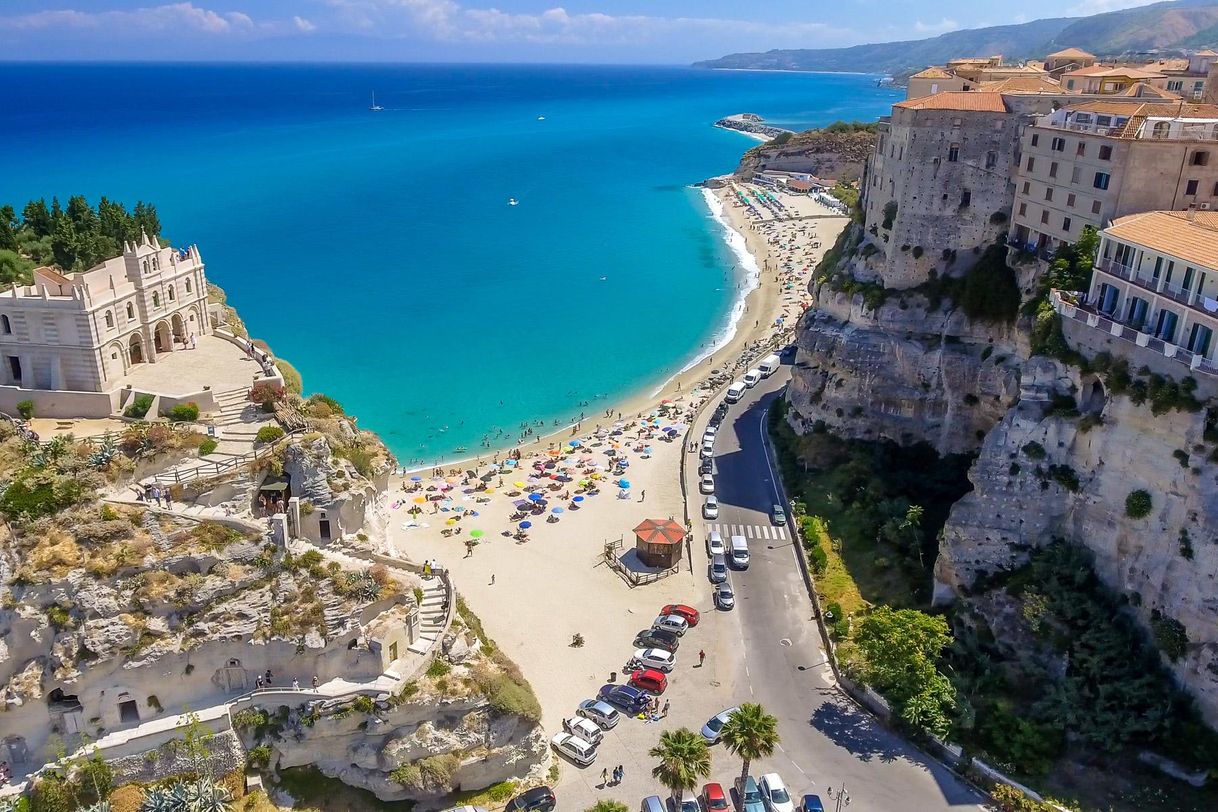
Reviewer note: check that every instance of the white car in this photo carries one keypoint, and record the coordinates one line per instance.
(586, 729)
(774, 794)
(687, 801)
(707, 483)
(708, 449)
(710, 508)
(656, 658)
(673, 623)
(708, 436)
(713, 729)
(576, 749)
(714, 544)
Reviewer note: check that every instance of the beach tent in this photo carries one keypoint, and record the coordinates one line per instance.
(659, 542)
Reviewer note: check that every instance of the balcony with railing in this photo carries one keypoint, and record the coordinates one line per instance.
(1071, 306)
(1186, 297)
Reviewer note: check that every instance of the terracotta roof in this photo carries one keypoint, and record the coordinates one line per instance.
(1168, 64)
(1118, 105)
(1141, 90)
(1109, 70)
(1207, 52)
(1191, 236)
(932, 73)
(52, 275)
(1022, 84)
(964, 100)
(1070, 53)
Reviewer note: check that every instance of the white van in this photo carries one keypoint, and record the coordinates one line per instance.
(752, 378)
(769, 365)
(735, 392)
(740, 552)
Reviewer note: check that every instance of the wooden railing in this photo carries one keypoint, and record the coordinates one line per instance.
(207, 470)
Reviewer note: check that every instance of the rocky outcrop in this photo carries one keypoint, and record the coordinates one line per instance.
(901, 372)
(837, 154)
(1041, 475)
(452, 743)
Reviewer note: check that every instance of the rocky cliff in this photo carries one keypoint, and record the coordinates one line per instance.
(1044, 472)
(838, 152)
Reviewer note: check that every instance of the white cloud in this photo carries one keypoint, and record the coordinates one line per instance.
(303, 25)
(450, 21)
(148, 19)
(941, 27)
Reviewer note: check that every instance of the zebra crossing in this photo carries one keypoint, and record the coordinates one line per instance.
(751, 531)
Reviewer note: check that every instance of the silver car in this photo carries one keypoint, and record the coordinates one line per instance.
(713, 729)
(600, 712)
(714, 544)
(673, 623)
(725, 598)
(716, 570)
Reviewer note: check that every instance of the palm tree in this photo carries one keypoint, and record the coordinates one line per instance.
(750, 733)
(608, 806)
(684, 759)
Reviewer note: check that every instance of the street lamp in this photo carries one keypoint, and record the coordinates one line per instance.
(842, 798)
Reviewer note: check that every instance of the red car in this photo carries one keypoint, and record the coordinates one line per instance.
(650, 680)
(681, 610)
(714, 799)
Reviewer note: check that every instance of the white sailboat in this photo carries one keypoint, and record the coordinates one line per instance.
(513, 201)
(376, 108)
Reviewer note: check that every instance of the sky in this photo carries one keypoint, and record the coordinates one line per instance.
(589, 31)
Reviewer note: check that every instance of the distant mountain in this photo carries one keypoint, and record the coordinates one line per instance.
(1169, 26)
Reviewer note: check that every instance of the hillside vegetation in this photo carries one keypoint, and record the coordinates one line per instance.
(1164, 26)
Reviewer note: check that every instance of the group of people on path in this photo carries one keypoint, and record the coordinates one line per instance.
(619, 772)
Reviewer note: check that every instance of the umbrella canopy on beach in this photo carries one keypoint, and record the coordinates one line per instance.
(557, 510)
(536, 497)
(659, 531)
(476, 534)
(623, 483)
(525, 525)
(416, 478)
(578, 499)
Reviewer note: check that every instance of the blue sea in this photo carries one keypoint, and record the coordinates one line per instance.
(377, 251)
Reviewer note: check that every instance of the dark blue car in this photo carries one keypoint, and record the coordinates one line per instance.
(811, 803)
(629, 699)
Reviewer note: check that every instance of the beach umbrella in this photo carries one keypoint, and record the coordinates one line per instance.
(573, 443)
(525, 525)
(416, 478)
(460, 508)
(536, 497)
(623, 483)
(556, 510)
(518, 484)
(520, 503)
(510, 463)
(420, 500)
(476, 534)
(578, 499)
(451, 522)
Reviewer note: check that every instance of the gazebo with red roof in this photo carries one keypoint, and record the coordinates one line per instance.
(659, 542)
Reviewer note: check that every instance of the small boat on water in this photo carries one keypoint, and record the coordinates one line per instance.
(513, 201)
(376, 108)
(541, 118)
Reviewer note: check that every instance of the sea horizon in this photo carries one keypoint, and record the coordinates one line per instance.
(377, 252)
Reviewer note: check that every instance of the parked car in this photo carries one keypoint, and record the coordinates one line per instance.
(749, 795)
(657, 638)
(714, 543)
(656, 658)
(672, 623)
(716, 570)
(811, 803)
(574, 748)
(714, 799)
(600, 712)
(466, 809)
(774, 794)
(778, 515)
(725, 596)
(707, 483)
(713, 729)
(650, 680)
(538, 799)
(708, 449)
(683, 610)
(710, 508)
(710, 433)
(706, 466)
(585, 728)
(653, 803)
(628, 698)
(687, 801)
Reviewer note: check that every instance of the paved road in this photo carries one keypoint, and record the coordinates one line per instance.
(826, 740)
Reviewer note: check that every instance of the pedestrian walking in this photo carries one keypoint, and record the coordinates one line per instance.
(314, 682)
(295, 685)
(258, 683)
(701, 657)
(604, 776)
(268, 678)
(619, 772)
(665, 711)
(492, 579)
(642, 494)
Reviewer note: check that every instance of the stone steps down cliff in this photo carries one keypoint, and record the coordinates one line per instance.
(432, 614)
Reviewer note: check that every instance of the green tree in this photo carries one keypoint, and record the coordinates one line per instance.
(605, 805)
(8, 228)
(750, 734)
(14, 268)
(684, 759)
(899, 650)
(37, 217)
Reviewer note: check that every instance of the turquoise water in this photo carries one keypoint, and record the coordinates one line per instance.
(377, 251)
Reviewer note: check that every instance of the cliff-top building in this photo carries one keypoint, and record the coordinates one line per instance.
(1154, 293)
(1089, 163)
(82, 332)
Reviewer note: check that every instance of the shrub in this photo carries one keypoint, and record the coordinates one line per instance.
(184, 413)
(259, 757)
(917, 252)
(292, 381)
(207, 446)
(59, 617)
(1138, 504)
(1181, 456)
(890, 214)
(35, 492)
(268, 434)
(364, 704)
(26, 409)
(266, 394)
(990, 291)
(438, 668)
(139, 407)
(1033, 450)
(325, 400)
(818, 559)
(1065, 476)
(1169, 635)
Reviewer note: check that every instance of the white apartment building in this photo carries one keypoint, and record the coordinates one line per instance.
(82, 332)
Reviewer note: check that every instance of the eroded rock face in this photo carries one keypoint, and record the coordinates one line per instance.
(1012, 509)
(310, 467)
(901, 373)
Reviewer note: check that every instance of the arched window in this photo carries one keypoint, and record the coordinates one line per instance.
(130, 312)
(188, 286)
(156, 263)
(171, 293)
(1161, 129)
(109, 320)
(156, 299)
(145, 265)
(6, 325)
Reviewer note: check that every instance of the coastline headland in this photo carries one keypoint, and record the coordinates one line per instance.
(752, 125)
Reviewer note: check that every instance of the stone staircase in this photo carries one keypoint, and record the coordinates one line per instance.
(152, 524)
(431, 616)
